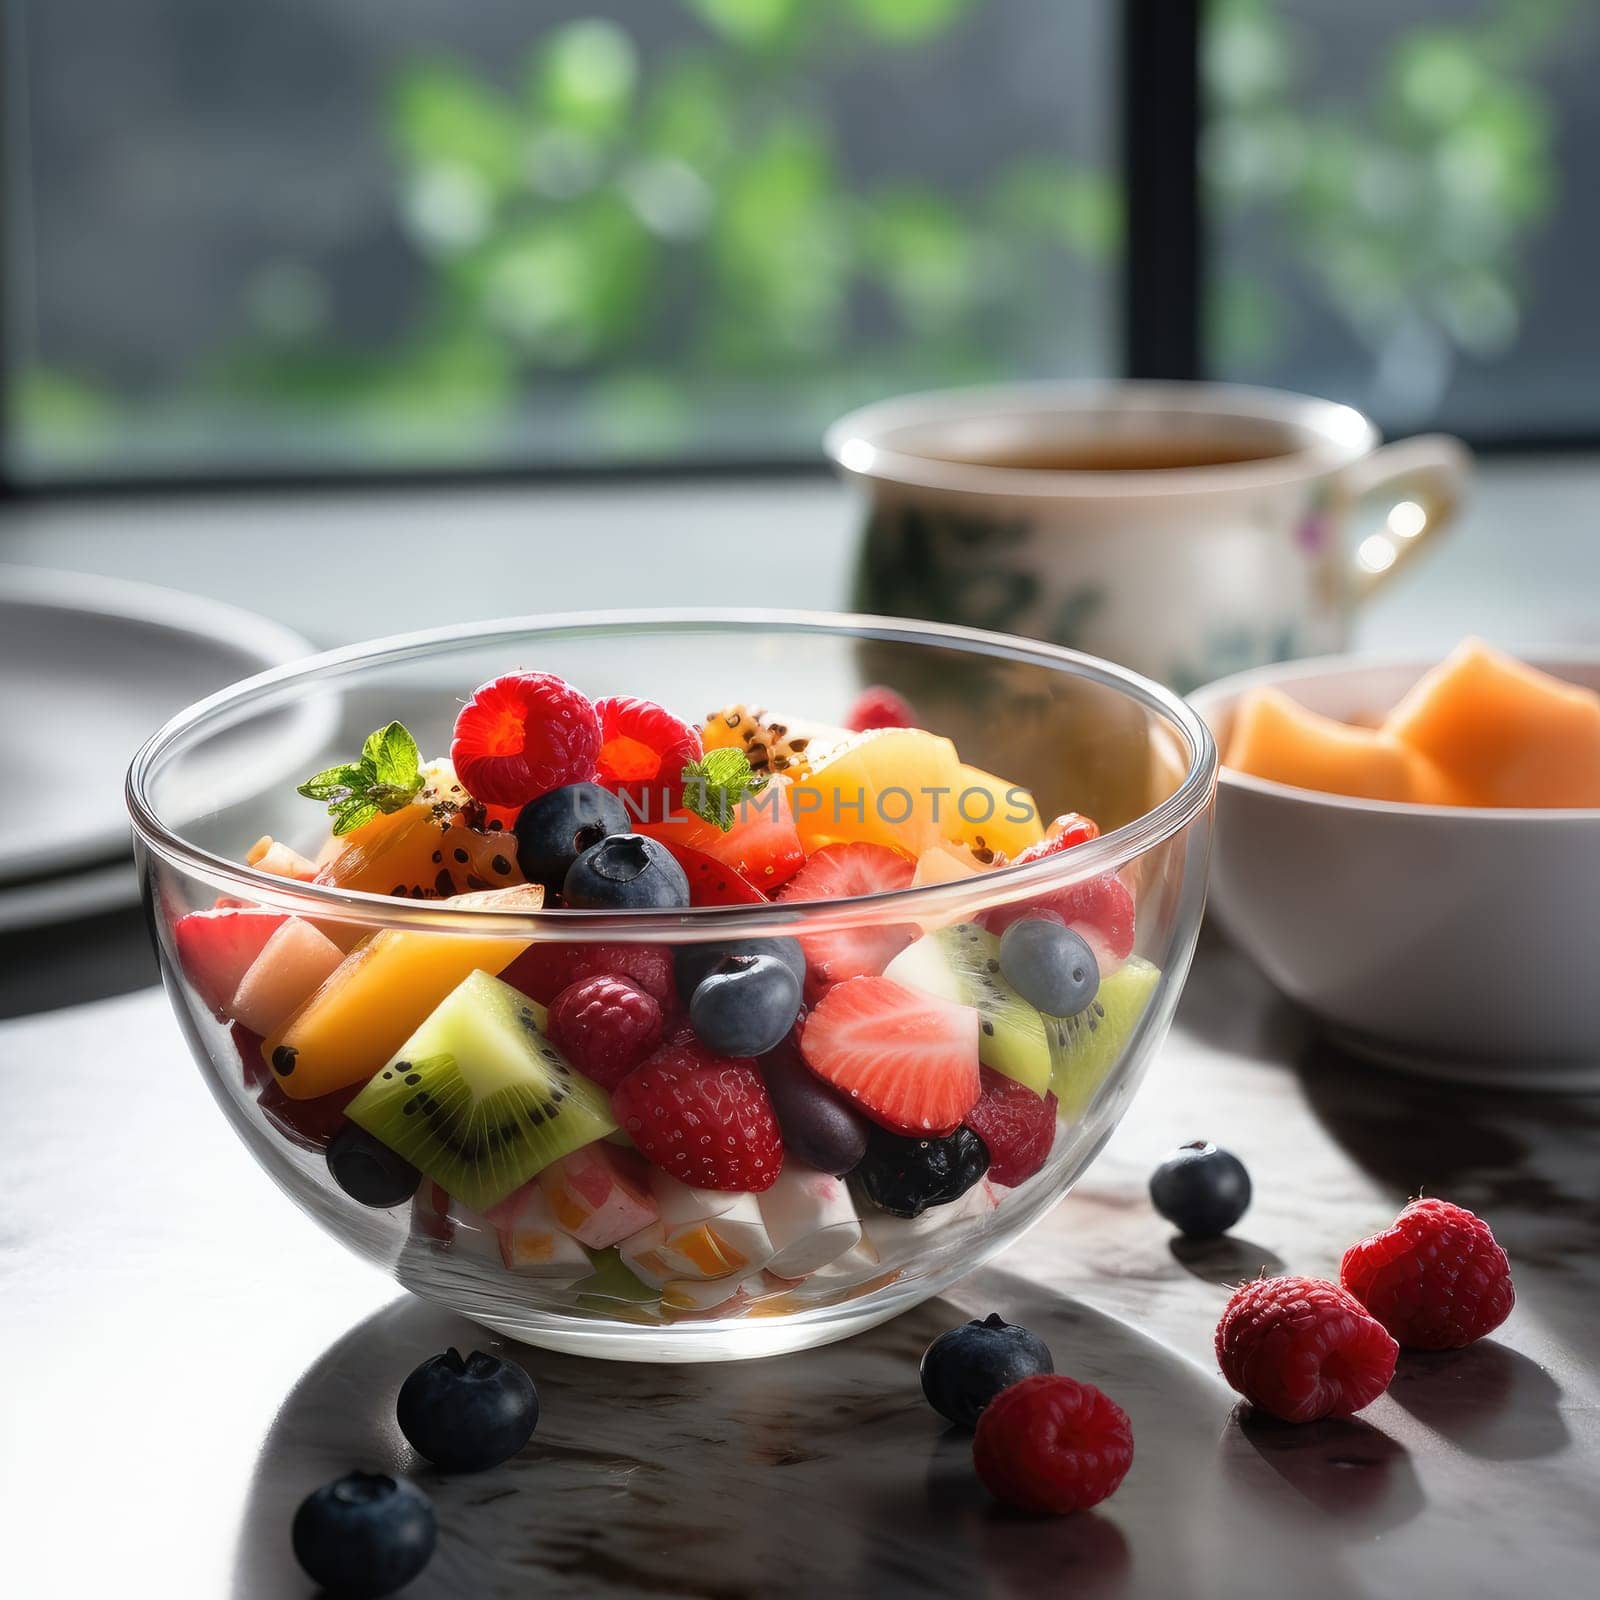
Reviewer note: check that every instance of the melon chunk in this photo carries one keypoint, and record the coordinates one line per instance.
(295, 962)
(1276, 738)
(1503, 733)
(893, 786)
(281, 860)
(991, 813)
(381, 992)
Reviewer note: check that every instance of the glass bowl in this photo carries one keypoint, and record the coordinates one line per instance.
(1082, 735)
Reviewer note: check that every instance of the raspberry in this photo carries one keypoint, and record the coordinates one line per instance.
(643, 751)
(1436, 1278)
(522, 735)
(1069, 829)
(605, 1027)
(542, 971)
(1050, 1443)
(1301, 1348)
(1017, 1127)
(879, 707)
(704, 1119)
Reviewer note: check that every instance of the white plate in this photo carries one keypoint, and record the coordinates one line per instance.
(90, 667)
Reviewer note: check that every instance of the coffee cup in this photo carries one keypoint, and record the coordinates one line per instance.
(1188, 530)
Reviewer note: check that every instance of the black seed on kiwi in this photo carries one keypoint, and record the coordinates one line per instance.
(480, 1127)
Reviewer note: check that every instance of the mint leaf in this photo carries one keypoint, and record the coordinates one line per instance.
(331, 784)
(714, 785)
(349, 815)
(387, 778)
(394, 757)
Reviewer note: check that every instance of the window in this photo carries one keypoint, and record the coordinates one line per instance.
(330, 233)
(329, 237)
(1400, 207)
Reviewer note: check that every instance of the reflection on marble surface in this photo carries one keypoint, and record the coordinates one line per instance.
(777, 1477)
(238, 1358)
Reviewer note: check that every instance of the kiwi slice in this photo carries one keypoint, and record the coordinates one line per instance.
(962, 963)
(479, 1099)
(1086, 1047)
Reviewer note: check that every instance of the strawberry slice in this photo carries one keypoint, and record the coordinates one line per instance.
(1069, 829)
(763, 845)
(704, 1119)
(840, 872)
(1016, 1126)
(711, 882)
(216, 948)
(908, 1060)
(1101, 910)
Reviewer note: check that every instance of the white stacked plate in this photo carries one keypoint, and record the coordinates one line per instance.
(90, 667)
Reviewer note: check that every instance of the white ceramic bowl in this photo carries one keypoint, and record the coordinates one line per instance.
(1456, 942)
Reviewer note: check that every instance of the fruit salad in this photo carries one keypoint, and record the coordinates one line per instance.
(645, 1130)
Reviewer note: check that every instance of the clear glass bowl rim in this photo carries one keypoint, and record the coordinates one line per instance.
(945, 900)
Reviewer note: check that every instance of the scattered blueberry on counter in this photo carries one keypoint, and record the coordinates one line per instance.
(555, 829)
(626, 871)
(1201, 1190)
(1050, 965)
(467, 1415)
(964, 1369)
(365, 1534)
(369, 1171)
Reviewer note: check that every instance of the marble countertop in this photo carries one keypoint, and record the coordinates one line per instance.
(187, 1356)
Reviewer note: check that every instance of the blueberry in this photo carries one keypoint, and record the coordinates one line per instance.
(368, 1170)
(906, 1176)
(554, 830)
(964, 1369)
(1201, 1190)
(364, 1534)
(745, 1005)
(1049, 965)
(820, 1127)
(691, 962)
(467, 1415)
(625, 871)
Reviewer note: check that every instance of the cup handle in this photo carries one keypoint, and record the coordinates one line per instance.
(1423, 481)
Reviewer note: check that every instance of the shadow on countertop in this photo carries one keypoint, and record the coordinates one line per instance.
(43, 969)
(821, 1472)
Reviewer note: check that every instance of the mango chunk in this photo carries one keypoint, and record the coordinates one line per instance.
(1276, 738)
(378, 996)
(1504, 734)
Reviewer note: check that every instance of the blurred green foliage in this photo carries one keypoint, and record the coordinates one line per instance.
(630, 249)
(1406, 203)
(603, 235)
(624, 248)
